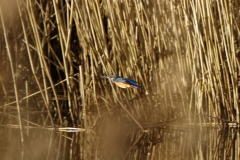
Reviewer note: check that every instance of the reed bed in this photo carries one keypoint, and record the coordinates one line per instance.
(184, 53)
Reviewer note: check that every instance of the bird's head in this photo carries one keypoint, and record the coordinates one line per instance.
(112, 77)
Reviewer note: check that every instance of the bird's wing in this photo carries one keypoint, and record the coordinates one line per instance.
(132, 83)
(120, 80)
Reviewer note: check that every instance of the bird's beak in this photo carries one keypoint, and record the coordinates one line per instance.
(104, 77)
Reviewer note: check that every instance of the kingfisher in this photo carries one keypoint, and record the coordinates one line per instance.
(123, 82)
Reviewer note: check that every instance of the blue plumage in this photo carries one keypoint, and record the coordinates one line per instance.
(123, 82)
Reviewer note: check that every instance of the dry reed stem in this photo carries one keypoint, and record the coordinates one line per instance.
(43, 62)
(13, 75)
(27, 104)
(31, 63)
(184, 48)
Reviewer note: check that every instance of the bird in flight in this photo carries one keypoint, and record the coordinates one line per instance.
(123, 82)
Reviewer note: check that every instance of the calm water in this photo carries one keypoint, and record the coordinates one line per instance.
(115, 135)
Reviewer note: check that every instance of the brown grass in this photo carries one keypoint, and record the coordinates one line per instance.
(185, 54)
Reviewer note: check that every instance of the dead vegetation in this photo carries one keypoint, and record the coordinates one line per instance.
(184, 53)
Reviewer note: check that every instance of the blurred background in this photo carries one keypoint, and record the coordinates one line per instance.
(55, 105)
